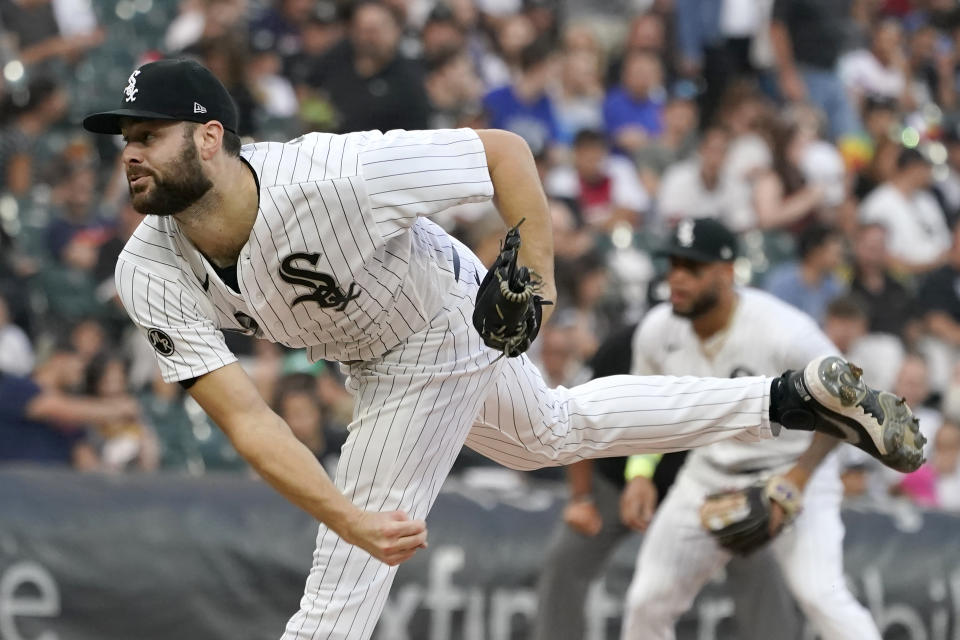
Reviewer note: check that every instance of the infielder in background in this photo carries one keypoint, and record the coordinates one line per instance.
(323, 243)
(712, 328)
(612, 497)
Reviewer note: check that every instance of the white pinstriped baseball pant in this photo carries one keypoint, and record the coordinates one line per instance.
(417, 405)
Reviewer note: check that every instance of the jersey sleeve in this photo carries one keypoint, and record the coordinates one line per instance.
(186, 342)
(419, 173)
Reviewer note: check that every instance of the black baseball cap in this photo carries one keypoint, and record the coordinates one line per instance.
(703, 240)
(169, 90)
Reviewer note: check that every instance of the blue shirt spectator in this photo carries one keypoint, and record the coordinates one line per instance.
(633, 112)
(810, 284)
(524, 107)
(787, 283)
(23, 437)
(534, 121)
(41, 424)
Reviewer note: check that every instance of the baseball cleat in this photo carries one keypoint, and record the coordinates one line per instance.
(843, 406)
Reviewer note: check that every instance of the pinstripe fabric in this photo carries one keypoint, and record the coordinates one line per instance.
(418, 404)
(353, 201)
(350, 209)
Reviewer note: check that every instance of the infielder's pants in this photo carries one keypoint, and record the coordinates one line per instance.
(810, 555)
(764, 609)
(418, 404)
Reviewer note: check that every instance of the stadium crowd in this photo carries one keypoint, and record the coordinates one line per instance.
(826, 133)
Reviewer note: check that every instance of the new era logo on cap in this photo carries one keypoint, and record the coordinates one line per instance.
(199, 108)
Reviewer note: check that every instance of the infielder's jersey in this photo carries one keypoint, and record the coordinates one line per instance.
(766, 336)
(339, 260)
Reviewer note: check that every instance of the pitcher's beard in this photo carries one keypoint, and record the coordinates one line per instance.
(184, 185)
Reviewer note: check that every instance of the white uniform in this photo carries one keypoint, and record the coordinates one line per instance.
(678, 556)
(340, 261)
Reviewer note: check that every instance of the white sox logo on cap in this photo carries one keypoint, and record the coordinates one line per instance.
(685, 233)
(131, 89)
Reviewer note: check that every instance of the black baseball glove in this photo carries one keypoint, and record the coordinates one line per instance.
(740, 519)
(509, 310)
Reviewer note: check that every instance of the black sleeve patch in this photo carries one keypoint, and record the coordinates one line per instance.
(161, 342)
(189, 382)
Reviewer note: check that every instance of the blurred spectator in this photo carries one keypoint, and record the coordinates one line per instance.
(163, 409)
(633, 111)
(647, 33)
(558, 355)
(889, 303)
(783, 197)
(42, 422)
(605, 187)
(946, 465)
(581, 284)
(47, 30)
(297, 403)
(947, 186)
(821, 163)
(880, 71)
(845, 323)
(544, 16)
(319, 33)
(454, 90)
(881, 119)
(366, 81)
(271, 90)
(916, 226)
(524, 107)
(206, 20)
(570, 239)
(34, 111)
(939, 297)
(73, 239)
(717, 39)
(879, 354)
(676, 141)
(579, 98)
(513, 34)
(810, 283)
(746, 115)
(278, 28)
(126, 443)
(442, 34)
(16, 352)
(88, 339)
(931, 63)
(808, 37)
(78, 226)
(913, 384)
(693, 188)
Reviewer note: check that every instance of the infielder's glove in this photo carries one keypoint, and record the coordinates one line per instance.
(740, 519)
(508, 310)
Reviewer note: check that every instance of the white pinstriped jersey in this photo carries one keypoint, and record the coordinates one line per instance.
(339, 260)
(766, 336)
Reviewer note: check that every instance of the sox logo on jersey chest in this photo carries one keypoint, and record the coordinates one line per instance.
(326, 292)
